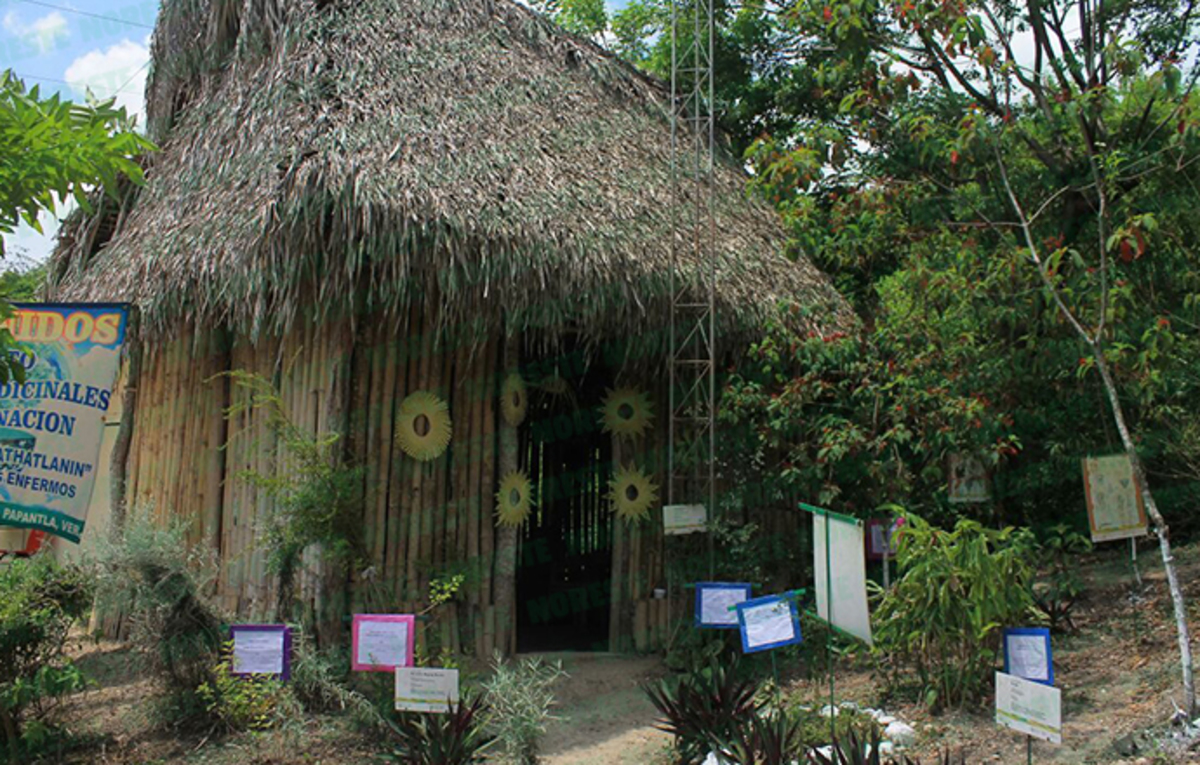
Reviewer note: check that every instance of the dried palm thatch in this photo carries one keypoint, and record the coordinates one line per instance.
(341, 157)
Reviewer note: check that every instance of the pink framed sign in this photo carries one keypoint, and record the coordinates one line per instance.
(382, 642)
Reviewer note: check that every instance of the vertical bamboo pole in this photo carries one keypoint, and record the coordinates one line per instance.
(392, 460)
(141, 406)
(456, 523)
(374, 518)
(183, 501)
(475, 516)
(406, 348)
(357, 445)
(215, 435)
(616, 628)
(506, 536)
(418, 540)
(488, 490)
(443, 548)
(119, 461)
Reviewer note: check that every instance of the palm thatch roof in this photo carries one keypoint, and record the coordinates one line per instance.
(339, 157)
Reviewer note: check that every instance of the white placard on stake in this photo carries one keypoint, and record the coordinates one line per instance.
(1030, 708)
(968, 480)
(684, 519)
(426, 690)
(768, 622)
(260, 649)
(382, 642)
(1027, 654)
(715, 603)
(1114, 502)
(849, 568)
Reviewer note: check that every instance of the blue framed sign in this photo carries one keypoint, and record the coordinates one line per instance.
(715, 602)
(1027, 654)
(768, 622)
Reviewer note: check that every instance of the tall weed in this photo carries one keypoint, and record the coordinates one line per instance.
(155, 582)
(520, 697)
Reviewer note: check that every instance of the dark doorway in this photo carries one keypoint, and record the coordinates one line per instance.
(564, 577)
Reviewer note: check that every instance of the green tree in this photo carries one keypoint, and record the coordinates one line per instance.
(1003, 190)
(51, 150)
(1054, 181)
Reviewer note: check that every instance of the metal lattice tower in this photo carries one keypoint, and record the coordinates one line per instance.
(693, 275)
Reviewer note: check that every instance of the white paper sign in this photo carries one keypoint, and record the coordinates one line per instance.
(849, 568)
(258, 652)
(1028, 707)
(684, 519)
(716, 605)
(968, 480)
(1027, 656)
(426, 690)
(768, 624)
(1115, 506)
(382, 643)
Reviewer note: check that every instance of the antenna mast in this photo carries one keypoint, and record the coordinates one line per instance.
(693, 273)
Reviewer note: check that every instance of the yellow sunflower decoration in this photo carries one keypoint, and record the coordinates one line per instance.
(627, 412)
(423, 426)
(514, 399)
(514, 500)
(632, 494)
(555, 385)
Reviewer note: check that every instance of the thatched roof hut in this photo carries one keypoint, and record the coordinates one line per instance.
(343, 186)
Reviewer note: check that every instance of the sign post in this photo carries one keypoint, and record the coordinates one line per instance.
(382, 642)
(1031, 708)
(426, 690)
(52, 424)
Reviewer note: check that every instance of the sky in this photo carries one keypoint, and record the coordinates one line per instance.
(69, 46)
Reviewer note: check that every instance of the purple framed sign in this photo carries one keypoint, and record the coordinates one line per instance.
(261, 649)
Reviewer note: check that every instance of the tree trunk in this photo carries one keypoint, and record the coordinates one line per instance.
(12, 735)
(1160, 529)
(120, 452)
(506, 536)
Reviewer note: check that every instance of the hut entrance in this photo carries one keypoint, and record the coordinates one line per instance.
(564, 573)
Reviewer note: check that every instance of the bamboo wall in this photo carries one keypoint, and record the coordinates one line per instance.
(187, 460)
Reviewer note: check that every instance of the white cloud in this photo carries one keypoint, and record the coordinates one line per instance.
(44, 33)
(119, 71)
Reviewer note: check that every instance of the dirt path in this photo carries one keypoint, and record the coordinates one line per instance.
(605, 716)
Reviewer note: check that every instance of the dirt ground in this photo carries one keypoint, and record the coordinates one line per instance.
(1118, 674)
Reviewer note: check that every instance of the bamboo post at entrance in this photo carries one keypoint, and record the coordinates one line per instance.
(506, 536)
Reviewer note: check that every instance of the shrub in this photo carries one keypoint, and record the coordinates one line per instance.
(704, 707)
(520, 698)
(941, 620)
(39, 600)
(1059, 585)
(238, 703)
(155, 582)
(457, 738)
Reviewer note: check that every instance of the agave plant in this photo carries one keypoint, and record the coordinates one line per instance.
(704, 708)
(455, 738)
(772, 738)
